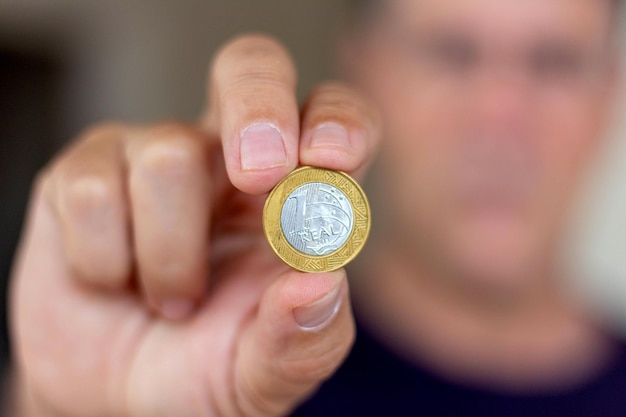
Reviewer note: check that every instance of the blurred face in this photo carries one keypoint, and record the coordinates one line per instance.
(493, 108)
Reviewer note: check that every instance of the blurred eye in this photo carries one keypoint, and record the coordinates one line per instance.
(556, 62)
(454, 54)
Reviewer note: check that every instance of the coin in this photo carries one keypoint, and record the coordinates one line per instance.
(316, 220)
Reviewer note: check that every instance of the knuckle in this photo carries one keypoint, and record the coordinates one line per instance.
(254, 400)
(80, 189)
(319, 361)
(245, 86)
(313, 369)
(171, 150)
(83, 194)
(79, 176)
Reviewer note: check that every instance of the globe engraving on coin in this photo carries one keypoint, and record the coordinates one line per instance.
(316, 219)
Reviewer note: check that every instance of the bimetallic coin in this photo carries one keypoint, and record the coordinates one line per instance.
(316, 220)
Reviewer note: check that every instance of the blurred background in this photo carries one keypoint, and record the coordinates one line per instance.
(65, 64)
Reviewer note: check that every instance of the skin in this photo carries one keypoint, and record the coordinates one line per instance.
(495, 109)
(111, 302)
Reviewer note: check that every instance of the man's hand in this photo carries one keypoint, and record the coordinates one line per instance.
(144, 286)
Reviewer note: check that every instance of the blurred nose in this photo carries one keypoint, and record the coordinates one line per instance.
(501, 104)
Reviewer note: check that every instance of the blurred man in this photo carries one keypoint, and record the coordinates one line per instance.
(144, 286)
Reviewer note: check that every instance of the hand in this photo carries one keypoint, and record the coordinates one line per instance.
(143, 285)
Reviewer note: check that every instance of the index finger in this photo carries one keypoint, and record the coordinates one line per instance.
(253, 106)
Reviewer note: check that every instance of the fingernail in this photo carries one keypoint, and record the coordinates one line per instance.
(316, 315)
(262, 147)
(330, 134)
(176, 309)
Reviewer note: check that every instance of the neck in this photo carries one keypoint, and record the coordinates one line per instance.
(540, 342)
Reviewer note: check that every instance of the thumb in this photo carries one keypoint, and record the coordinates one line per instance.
(302, 333)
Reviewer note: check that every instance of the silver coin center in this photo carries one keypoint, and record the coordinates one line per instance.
(317, 219)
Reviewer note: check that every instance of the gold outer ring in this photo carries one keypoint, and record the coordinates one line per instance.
(308, 263)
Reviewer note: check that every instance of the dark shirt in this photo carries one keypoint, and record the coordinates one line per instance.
(375, 382)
